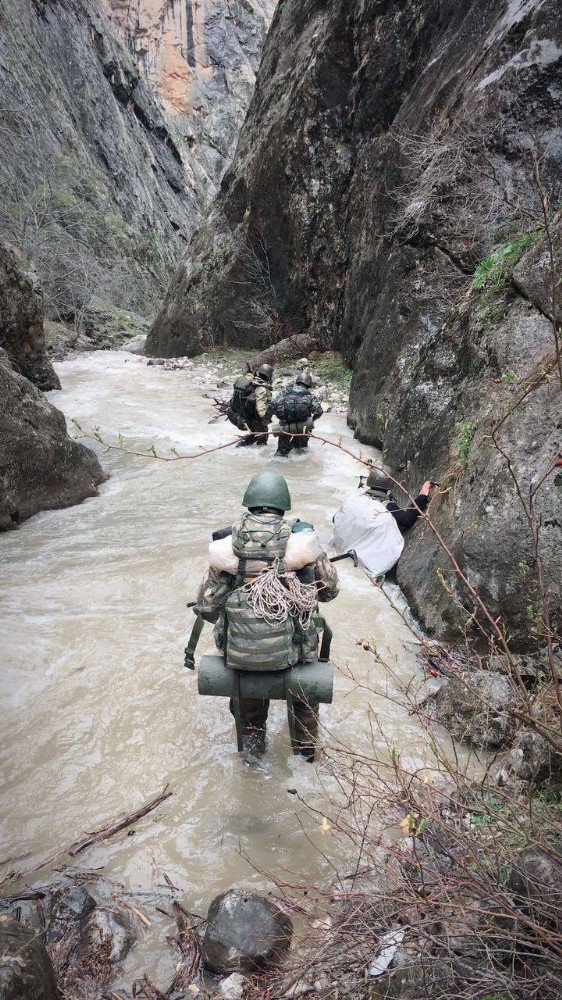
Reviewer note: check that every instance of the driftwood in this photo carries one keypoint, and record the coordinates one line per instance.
(297, 346)
(92, 837)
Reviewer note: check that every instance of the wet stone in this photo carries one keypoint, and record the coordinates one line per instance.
(106, 931)
(477, 708)
(71, 903)
(244, 932)
(25, 968)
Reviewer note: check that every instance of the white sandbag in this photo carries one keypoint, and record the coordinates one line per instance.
(364, 524)
(221, 556)
(303, 548)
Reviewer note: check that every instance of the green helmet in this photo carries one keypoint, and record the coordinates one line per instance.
(305, 378)
(267, 489)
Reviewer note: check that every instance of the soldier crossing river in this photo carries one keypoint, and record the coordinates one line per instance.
(261, 592)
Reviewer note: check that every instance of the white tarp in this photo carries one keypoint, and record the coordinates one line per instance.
(364, 524)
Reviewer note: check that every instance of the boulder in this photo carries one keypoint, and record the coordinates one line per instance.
(531, 759)
(107, 933)
(244, 932)
(22, 335)
(26, 972)
(41, 467)
(135, 345)
(232, 988)
(476, 708)
(70, 906)
(536, 883)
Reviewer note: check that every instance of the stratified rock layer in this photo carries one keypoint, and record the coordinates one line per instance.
(387, 150)
(93, 187)
(202, 55)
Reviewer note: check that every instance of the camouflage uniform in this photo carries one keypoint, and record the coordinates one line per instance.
(293, 398)
(257, 418)
(211, 599)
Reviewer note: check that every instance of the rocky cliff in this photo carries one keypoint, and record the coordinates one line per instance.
(41, 467)
(202, 57)
(393, 168)
(93, 186)
(22, 335)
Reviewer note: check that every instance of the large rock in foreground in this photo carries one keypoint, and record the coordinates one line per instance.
(477, 708)
(21, 321)
(244, 932)
(25, 968)
(41, 467)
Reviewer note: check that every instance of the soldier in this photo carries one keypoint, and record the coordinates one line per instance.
(297, 410)
(248, 408)
(261, 591)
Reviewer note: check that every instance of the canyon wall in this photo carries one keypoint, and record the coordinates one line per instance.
(392, 172)
(202, 56)
(100, 186)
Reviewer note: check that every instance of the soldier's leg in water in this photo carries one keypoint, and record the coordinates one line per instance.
(261, 429)
(285, 444)
(259, 437)
(254, 713)
(254, 717)
(301, 442)
(306, 728)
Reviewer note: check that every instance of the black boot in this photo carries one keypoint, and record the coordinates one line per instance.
(253, 746)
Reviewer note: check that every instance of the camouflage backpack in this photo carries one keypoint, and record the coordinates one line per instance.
(251, 643)
(293, 406)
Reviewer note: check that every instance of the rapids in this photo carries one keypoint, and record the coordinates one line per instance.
(98, 712)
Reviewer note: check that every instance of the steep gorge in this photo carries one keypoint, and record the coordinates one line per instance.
(391, 148)
(99, 187)
(202, 57)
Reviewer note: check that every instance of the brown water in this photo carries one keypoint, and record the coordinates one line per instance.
(98, 712)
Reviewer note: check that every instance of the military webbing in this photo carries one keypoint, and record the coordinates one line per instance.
(291, 718)
(192, 644)
(237, 711)
(327, 635)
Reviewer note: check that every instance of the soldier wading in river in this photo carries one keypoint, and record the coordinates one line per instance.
(296, 409)
(248, 408)
(261, 591)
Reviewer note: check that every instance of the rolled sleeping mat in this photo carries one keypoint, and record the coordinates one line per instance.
(313, 681)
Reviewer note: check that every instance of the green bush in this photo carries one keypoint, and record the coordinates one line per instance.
(492, 272)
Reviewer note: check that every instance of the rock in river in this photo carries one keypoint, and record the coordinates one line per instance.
(41, 467)
(25, 968)
(244, 932)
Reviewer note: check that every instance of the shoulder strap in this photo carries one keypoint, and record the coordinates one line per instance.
(192, 644)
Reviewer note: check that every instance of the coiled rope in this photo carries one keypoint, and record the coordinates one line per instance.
(274, 598)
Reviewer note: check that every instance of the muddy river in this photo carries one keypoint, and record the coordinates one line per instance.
(98, 712)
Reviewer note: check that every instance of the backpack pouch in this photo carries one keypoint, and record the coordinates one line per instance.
(252, 643)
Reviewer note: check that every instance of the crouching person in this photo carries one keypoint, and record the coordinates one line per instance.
(262, 592)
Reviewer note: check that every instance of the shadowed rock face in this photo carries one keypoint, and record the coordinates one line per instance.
(22, 335)
(202, 57)
(348, 214)
(41, 467)
(26, 972)
(92, 182)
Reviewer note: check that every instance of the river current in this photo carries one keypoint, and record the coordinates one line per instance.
(98, 712)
